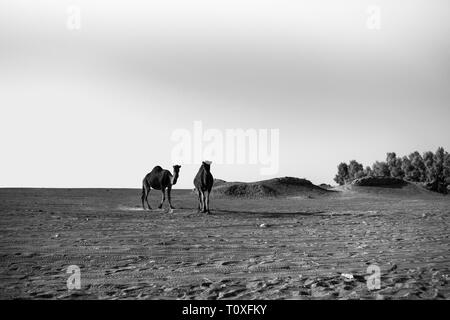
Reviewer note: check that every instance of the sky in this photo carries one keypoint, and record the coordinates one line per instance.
(96, 103)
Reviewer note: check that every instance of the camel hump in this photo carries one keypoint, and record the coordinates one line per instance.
(154, 173)
(157, 169)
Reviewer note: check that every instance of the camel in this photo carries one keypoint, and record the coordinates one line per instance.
(159, 179)
(203, 182)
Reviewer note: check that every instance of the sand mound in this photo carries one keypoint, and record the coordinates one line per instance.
(247, 190)
(219, 182)
(380, 182)
(287, 186)
(386, 187)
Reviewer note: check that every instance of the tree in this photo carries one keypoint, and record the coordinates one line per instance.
(428, 159)
(407, 168)
(418, 169)
(447, 167)
(432, 169)
(435, 170)
(381, 169)
(368, 172)
(395, 165)
(438, 163)
(438, 168)
(355, 170)
(342, 175)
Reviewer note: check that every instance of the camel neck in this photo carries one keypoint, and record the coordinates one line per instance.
(174, 178)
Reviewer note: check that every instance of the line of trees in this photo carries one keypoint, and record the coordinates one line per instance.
(431, 169)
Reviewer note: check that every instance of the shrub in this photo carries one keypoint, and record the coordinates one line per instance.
(431, 169)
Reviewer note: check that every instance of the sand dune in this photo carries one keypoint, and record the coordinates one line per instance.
(400, 189)
(278, 187)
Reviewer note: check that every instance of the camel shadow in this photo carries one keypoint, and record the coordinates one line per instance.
(271, 214)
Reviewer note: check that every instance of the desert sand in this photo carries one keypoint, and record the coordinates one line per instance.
(302, 246)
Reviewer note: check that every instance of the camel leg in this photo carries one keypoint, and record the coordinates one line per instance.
(199, 201)
(147, 192)
(163, 197)
(143, 197)
(203, 202)
(169, 197)
(207, 203)
(146, 199)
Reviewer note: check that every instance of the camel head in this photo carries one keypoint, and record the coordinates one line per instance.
(176, 172)
(207, 165)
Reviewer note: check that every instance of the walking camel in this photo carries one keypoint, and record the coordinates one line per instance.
(159, 179)
(203, 182)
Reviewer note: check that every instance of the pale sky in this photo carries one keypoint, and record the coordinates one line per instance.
(96, 107)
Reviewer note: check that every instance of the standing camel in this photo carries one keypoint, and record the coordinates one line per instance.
(159, 179)
(203, 182)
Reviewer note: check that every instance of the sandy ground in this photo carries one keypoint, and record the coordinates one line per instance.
(292, 248)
